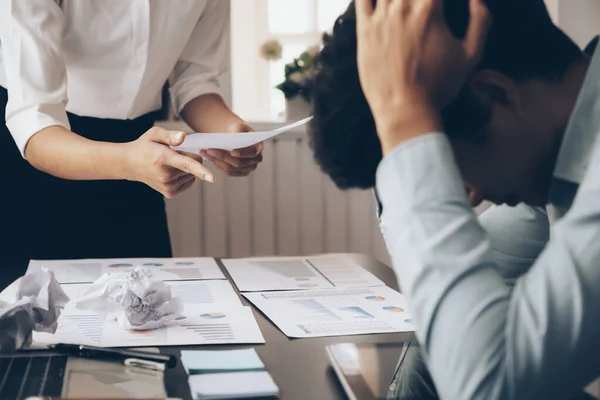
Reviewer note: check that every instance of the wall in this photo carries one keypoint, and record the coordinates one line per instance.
(580, 19)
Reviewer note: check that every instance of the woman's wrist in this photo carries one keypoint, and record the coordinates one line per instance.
(209, 113)
(120, 158)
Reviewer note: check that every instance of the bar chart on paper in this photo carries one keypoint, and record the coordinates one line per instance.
(76, 327)
(335, 312)
(212, 332)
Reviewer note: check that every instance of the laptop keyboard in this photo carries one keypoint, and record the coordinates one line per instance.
(22, 377)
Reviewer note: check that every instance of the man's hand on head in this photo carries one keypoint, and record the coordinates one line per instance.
(410, 64)
(240, 162)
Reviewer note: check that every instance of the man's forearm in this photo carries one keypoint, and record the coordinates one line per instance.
(60, 152)
(395, 127)
(209, 113)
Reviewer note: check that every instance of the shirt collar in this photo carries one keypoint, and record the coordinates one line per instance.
(582, 131)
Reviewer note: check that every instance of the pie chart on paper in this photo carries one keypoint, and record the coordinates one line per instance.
(214, 315)
(120, 265)
(393, 309)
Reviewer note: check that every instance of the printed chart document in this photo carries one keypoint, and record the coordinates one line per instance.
(218, 292)
(198, 325)
(335, 312)
(164, 269)
(232, 141)
(294, 273)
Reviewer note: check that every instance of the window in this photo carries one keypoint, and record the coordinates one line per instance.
(297, 25)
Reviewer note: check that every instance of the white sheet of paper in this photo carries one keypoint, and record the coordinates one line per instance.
(343, 271)
(277, 273)
(164, 269)
(199, 325)
(233, 385)
(294, 273)
(335, 312)
(217, 292)
(232, 141)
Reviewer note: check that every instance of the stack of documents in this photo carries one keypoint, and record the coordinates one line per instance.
(227, 374)
(320, 296)
(213, 312)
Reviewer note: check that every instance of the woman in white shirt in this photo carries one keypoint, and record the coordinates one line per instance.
(80, 83)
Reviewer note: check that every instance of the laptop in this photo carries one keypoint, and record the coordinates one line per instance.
(35, 375)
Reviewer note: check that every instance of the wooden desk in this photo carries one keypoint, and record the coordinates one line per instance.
(300, 367)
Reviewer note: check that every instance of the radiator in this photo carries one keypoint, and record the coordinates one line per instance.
(286, 207)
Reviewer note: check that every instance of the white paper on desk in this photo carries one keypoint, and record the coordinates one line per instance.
(163, 269)
(277, 273)
(217, 292)
(198, 325)
(294, 273)
(232, 141)
(343, 271)
(335, 312)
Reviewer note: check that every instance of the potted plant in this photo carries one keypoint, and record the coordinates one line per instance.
(298, 75)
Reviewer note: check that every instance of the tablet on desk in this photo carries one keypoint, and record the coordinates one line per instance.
(365, 370)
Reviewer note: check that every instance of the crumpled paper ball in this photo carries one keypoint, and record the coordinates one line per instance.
(134, 299)
(32, 303)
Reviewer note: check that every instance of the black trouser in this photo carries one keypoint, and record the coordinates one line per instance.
(43, 217)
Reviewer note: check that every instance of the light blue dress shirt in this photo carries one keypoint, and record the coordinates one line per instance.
(482, 338)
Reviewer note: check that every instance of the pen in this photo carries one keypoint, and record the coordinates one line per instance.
(129, 358)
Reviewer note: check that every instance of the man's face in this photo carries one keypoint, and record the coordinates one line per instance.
(516, 160)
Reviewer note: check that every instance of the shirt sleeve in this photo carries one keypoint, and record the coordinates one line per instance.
(482, 340)
(517, 237)
(31, 35)
(204, 58)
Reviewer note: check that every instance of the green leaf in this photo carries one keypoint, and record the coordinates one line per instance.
(306, 59)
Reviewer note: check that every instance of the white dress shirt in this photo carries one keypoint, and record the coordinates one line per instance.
(106, 58)
(482, 338)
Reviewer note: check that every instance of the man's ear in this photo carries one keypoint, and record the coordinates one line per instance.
(494, 88)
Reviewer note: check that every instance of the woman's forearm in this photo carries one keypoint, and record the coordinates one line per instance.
(209, 113)
(60, 152)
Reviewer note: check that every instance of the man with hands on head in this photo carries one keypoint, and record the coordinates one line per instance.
(84, 171)
(500, 101)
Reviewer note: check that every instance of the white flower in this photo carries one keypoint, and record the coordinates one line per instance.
(297, 77)
(271, 50)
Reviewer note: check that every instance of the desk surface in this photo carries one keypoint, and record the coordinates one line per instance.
(300, 367)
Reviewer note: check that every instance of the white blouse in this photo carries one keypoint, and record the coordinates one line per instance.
(106, 58)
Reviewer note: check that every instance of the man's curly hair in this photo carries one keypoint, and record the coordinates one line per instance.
(523, 44)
